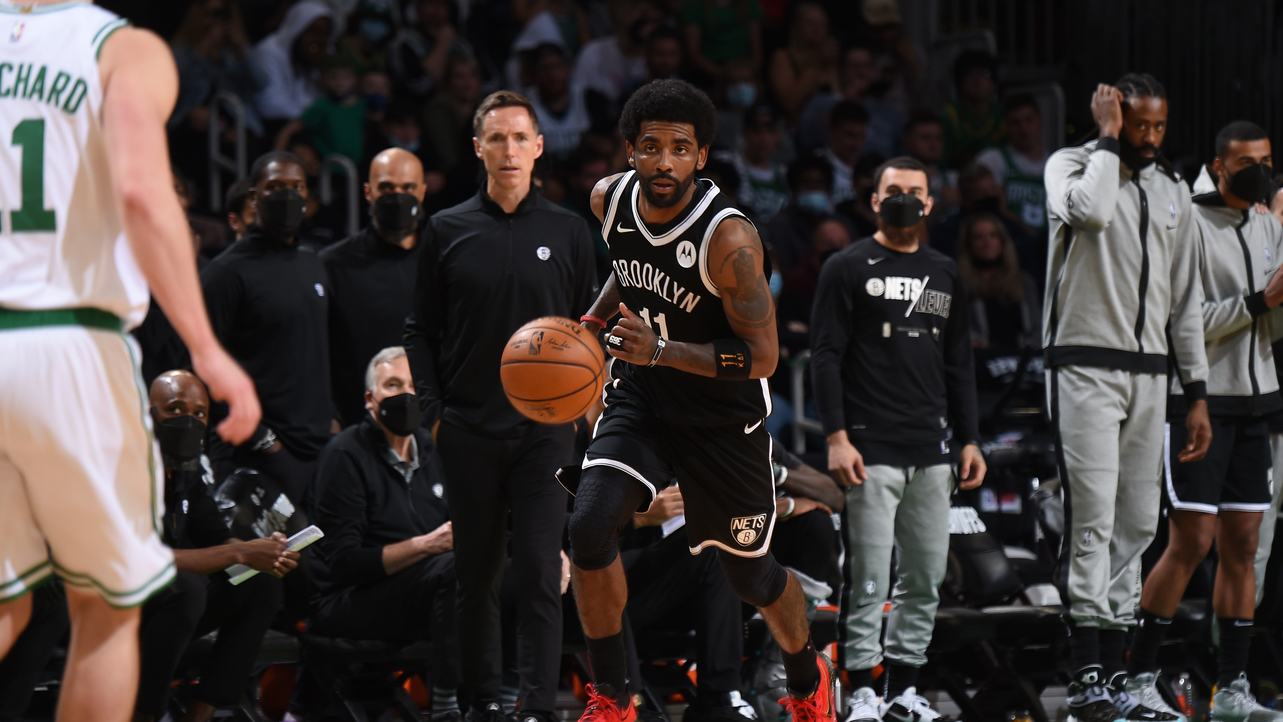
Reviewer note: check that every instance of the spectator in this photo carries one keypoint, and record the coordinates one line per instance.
(848, 128)
(562, 111)
(1017, 166)
(417, 57)
(447, 119)
(212, 56)
(924, 142)
(898, 60)
(808, 63)
(376, 90)
(292, 58)
(369, 30)
(663, 54)
(240, 214)
(372, 276)
(856, 78)
(566, 16)
(831, 235)
(385, 569)
(671, 590)
(468, 303)
(335, 121)
(611, 65)
(720, 31)
(200, 601)
(764, 187)
(973, 120)
(1006, 305)
(789, 233)
(979, 192)
(268, 304)
(857, 211)
(583, 169)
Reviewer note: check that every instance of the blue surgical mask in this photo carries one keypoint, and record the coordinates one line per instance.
(812, 202)
(375, 30)
(376, 102)
(741, 95)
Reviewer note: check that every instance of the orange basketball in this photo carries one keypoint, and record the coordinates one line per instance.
(552, 370)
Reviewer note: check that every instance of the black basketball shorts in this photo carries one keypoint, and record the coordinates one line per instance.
(1236, 474)
(724, 472)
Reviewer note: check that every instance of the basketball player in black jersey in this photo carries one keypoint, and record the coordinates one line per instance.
(686, 396)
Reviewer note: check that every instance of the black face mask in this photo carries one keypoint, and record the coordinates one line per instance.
(991, 204)
(281, 213)
(396, 215)
(181, 438)
(1130, 154)
(401, 414)
(903, 210)
(1252, 184)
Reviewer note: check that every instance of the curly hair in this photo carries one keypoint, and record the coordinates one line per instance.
(673, 101)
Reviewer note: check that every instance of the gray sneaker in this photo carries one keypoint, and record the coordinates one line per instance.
(1236, 704)
(1139, 699)
(863, 706)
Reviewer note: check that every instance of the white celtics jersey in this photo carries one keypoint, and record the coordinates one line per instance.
(61, 240)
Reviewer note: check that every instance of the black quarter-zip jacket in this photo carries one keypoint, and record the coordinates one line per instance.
(483, 274)
(372, 290)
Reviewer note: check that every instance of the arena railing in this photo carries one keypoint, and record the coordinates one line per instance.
(218, 162)
(350, 176)
(801, 424)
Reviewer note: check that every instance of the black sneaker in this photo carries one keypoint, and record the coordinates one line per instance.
(487, 712)
(531, 716)
(1092, 703)
(649, 709)
(721, 707)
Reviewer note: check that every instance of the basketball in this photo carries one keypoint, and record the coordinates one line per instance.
(552, 370)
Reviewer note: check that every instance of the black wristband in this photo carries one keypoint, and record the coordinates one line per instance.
(733, 358)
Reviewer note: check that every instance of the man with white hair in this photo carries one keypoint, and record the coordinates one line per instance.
(385, 569)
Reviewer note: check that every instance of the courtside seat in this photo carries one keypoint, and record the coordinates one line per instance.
(362, 678)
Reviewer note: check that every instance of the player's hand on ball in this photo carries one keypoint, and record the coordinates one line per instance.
(971, 467)
(632, 339)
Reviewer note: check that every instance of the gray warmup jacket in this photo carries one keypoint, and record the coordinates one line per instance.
(1238, 252)
(1121, 272)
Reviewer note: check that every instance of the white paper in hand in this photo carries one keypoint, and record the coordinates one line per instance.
(239, 572)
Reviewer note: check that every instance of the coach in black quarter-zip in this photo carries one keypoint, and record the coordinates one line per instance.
(486, 267)
(1122, 293)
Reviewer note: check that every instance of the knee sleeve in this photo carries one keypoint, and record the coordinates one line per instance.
(758, 581)
(604, 503)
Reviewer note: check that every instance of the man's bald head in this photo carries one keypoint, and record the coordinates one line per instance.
(179, 393)
(395, 170)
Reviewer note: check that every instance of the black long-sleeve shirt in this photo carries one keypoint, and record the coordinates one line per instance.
(891, 353)
(371, 292)
(364, 503)
(268, 304)
(483, 274)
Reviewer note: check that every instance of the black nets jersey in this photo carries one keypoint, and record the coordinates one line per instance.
(662, 275)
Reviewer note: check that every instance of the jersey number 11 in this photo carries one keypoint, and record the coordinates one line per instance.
(32, 215)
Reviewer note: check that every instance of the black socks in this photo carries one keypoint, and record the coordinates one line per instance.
(1084, 648)
(802, 671)
(609, 660)
(861, 678)
(898, 678)
(1149, 637)
(1236, 636)
(1113, 645)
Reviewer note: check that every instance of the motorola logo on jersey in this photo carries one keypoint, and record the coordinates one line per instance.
(685, 254)
(913, 290)
(746, 529)
(643, 275)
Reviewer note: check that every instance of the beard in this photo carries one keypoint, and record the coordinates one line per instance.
(679, 191)
(1131, 154)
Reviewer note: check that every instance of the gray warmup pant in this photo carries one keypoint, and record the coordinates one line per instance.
(1269, 518)
(1109, 426)
(906, 508)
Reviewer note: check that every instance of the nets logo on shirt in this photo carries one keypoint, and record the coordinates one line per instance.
(914, 290)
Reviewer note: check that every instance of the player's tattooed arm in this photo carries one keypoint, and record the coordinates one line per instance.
(606, 305)
(736, 269)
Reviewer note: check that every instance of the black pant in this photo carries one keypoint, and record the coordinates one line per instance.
(193, 606)
(669, 589)
(485, 478)
(809, 544)
(21, 669)
(416, 603)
